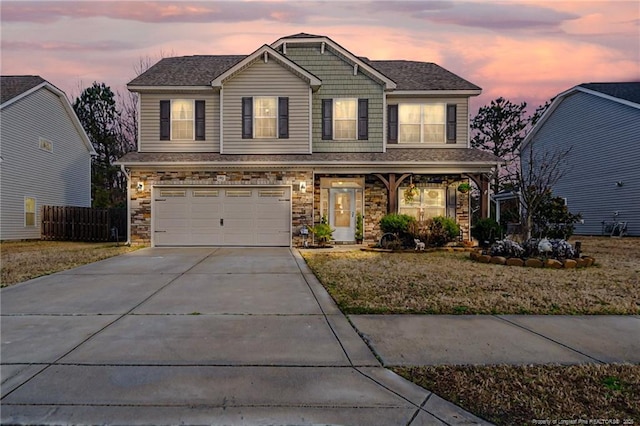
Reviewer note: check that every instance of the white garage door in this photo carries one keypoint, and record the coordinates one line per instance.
(222, 216)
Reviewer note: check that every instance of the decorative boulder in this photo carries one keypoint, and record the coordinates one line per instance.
(570, 264)
(589, 261)
(534, 263)
(580, 263)
(553, 263)
(484, 258)
(515, 261)
(498, 260)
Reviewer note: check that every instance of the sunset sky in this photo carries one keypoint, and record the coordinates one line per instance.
(522, 50)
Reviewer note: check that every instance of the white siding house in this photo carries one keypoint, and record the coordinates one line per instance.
(46, 155)
(600, 122)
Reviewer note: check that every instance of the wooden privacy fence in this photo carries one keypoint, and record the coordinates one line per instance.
(83, 224)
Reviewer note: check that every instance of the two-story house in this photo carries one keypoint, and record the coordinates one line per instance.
(245, 150)
(45, 155)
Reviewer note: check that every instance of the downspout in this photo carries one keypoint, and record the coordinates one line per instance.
(128, 176)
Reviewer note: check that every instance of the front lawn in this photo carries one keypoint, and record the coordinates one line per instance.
(24, 260)
(450, 283)
(532, 394)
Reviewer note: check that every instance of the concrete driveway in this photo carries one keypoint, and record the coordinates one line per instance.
(196, 336)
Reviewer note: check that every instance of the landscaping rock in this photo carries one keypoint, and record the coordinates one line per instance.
(484, 258)
(553, 263)
(515, 261)
(534, 263)
(474, 255)
(589, 261)
(570, 264)
(580, 263)
(498, 260)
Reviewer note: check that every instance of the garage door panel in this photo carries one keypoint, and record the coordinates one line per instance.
(250, 216)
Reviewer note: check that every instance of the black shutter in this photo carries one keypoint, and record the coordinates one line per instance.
(247, 118)
(392, 120)
(165, 120)
(283, 118)
(363, 119)
(200, 120)
(452, 110)
(327, 119)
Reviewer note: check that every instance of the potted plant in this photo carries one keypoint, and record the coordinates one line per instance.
(359, 229)
(322, 232)
(464, 187)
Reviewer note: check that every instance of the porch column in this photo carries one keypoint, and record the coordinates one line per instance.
(482, 181)
(392, 183)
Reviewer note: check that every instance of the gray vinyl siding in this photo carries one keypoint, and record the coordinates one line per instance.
(338, 81)
(462, 116)
(266, 79)
(604, 136)
(150, 124)
(60, 178)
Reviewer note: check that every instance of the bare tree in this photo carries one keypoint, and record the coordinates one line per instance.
(538, 173)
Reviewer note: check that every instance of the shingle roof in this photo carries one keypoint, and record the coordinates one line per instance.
(627, 91)
(201, 70)
(414, 156)
(186, 70)
(412, 75)
(14, 85)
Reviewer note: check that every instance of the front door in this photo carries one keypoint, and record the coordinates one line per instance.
(342, 213)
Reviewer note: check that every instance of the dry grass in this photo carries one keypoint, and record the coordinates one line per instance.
(24, 260)
(450, 283)
(510, 395)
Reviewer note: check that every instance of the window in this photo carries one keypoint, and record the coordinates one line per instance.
(430, 202)
(182, 119)
(29, 211)
(265, 117)
(345, 119)
(422, 123)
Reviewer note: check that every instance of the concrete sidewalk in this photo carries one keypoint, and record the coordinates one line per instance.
(196, 336)
(502, 339)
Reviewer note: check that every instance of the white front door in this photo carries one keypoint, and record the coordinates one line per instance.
(342, 213)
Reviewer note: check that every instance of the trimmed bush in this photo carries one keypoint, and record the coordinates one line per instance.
(486, 231)
(396, 223)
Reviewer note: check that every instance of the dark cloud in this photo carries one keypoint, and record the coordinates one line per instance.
(153, 12)
(497, 16)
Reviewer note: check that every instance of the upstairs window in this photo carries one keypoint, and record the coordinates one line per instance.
(345, 119)
(429, 123)
(421, 123)
(265, 117)
(182, 119)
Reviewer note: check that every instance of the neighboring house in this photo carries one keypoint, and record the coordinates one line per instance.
(46, 155)
(600, 123)
(246, 150)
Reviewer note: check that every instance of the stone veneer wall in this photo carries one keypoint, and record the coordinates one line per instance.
(302, 203)
(375, 206)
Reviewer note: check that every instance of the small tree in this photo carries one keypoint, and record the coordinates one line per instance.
(538, 173)
(553, 218)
